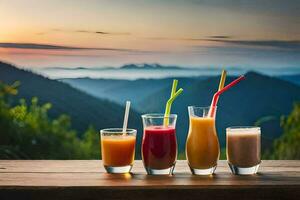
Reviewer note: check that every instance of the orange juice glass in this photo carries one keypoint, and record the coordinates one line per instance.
(117, 149)
(202, 145)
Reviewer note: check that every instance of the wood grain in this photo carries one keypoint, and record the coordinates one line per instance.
(86, 179)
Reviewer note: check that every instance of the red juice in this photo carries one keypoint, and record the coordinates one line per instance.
(159, 147)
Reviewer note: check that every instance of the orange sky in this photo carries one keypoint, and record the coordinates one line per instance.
(173, 32)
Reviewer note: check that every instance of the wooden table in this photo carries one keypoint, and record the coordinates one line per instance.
(86, 179)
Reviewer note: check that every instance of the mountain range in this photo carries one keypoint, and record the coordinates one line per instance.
(259, 99)
(294, 78)
(83, 108)
(157, 71)
(142, 66)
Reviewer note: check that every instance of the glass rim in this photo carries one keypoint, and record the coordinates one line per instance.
(244, 128)
(158, 115)
(118, 130)
(202, 107)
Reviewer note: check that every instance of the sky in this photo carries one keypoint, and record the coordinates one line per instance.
(100, 33)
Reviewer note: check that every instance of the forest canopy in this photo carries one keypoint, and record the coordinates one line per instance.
(26, 131)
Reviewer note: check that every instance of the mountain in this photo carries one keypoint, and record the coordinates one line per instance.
(127, 66)
(295, 78)
(255, 98)
(122, 90)
(258, 98)
(83, 108)
(150, 66)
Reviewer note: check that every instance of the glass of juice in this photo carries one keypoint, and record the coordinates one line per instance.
(202, 145)
(117, 149)
(159, 145)
(243, 149)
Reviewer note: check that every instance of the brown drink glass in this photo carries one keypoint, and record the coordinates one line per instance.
(243, 146)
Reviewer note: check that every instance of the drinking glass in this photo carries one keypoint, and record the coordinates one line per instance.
(118, 149)
(202, 145)
(243, 149)
(159, 145)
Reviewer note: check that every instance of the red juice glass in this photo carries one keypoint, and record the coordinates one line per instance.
(159, 145)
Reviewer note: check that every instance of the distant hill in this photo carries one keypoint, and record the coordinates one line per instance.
(149, 66)
(83, 108)
(291, 78)
(254, 98)
(127, 66)
(257, 98)
(122, 90)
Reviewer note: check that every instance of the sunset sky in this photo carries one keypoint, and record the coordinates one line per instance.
(95, 33)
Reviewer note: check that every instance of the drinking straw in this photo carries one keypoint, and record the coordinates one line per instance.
(221, 86)
(126, 117)
(173, 96)
(217, 94)
(222, 80)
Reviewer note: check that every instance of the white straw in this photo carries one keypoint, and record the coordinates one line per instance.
(126, 117)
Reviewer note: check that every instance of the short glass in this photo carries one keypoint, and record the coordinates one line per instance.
(243, 147)
(202, 144)
(159, 145)
(117, 149)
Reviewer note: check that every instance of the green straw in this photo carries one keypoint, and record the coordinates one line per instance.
(173, 96)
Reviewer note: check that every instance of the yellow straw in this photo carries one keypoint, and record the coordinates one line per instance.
(221, 86)
(222, 80)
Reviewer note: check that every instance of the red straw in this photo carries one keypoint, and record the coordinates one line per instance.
(217, 94)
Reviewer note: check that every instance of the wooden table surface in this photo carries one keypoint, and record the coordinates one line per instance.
(86, 179)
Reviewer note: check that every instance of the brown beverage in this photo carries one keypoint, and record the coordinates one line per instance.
(243, 146)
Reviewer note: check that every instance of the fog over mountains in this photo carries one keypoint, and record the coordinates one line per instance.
(156, 71)
(259, 99)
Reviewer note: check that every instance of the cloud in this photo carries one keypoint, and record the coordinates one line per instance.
(99, 32)
(91, 32)
(58, 47)
(57, 54)
(278, 44)
(71, 51)
(170, 38)
(190, 38)
(220, 37)
(94, 32)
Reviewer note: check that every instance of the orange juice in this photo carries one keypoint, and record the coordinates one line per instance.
(202, 146)
(118, 150)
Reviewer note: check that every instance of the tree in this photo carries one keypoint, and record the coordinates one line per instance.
(288, 145)
(91, 142)
(26, 131)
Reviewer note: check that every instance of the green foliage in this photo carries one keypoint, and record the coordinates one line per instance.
(26, 132)
(91, 143)
(288, 145)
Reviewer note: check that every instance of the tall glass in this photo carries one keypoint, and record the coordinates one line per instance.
(202, 145)
(159, 146)
(117, 149)
(243, 149)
